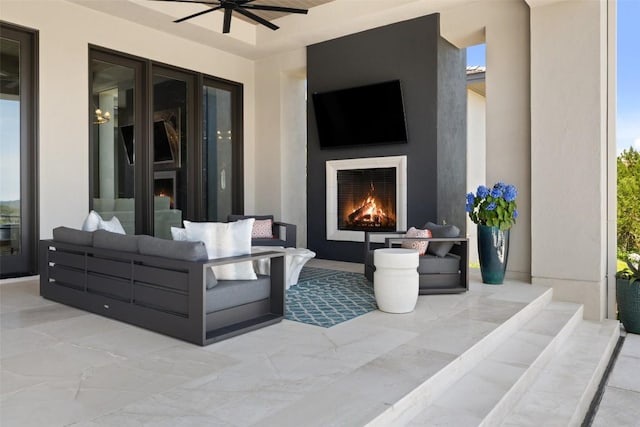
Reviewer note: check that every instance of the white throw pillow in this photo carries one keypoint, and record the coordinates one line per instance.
(225, 239)
(113, 225)
(178, 233)
(94, 222)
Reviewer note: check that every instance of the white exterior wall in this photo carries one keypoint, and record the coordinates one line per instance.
(505, 26)
(569, 151)
(281, 141)
(476, 158)
(65, 31)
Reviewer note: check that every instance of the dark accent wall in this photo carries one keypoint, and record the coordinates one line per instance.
(432, 75)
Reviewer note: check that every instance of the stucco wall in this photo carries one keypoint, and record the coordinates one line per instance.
(476, 158)
(65, 31)
(504, 27)
(569, 151)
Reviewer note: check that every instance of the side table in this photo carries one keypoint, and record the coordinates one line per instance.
(395, 281)
(295, 259)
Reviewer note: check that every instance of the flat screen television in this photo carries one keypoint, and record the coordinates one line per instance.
(162, 151)
(372, 114)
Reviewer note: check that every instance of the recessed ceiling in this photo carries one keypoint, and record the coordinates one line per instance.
(270, 16)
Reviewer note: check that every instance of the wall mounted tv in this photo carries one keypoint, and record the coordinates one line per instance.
(162, 150)
(372, 114)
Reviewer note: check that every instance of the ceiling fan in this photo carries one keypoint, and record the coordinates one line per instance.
(242, 7)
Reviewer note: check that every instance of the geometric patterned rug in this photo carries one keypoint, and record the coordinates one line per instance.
(327, 297)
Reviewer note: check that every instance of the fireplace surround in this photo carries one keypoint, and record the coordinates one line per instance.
(366, 202)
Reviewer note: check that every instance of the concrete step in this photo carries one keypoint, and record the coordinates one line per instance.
(484, 394)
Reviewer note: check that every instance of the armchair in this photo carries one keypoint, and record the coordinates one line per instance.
(446, 274)
(286, 239)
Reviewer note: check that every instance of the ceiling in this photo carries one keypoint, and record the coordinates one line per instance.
(327, 19)
(270, 16)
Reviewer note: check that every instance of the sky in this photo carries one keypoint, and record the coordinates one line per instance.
(628, 80)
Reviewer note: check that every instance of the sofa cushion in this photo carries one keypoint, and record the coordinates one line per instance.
(178, 233)
(432, 264)
(419, 245)
(225, 239)
(181, 250)
(73, 236)
(115, 241)
(94, 222)
(174, 249)
(262, 229)
(125, 204)
(232, 293)
(441, 248)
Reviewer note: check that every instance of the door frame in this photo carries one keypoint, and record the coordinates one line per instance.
(29, 147)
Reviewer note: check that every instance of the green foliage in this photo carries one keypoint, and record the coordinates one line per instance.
(628, 202)
(495, 206)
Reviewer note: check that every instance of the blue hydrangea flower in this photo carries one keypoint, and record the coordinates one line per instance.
(469, 208)
(470, 198)
(496, 192)
(515, 214)
(483, 191)
(491, 206)
(500, 185)
(510, 193)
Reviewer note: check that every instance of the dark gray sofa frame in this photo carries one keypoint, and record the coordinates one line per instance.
(429, 284)
(160, 294)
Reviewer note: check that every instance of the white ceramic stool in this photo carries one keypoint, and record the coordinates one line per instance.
(395, 281)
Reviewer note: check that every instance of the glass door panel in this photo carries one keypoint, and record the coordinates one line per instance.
(17, 154)
(114, 142)
(170, 160)
(217, 153)
(10, 147)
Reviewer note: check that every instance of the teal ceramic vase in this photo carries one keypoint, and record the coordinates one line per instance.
(493, 253)
(628, 299)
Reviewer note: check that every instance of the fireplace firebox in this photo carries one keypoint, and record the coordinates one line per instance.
(367, 199)
(366, 194)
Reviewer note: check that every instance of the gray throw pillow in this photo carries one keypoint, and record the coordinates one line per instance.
(73, 236)
(176, 249)
(441, 248)
(117, 242)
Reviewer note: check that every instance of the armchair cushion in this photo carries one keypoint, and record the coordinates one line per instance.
(419, 245)
(441, 248)
(73, 236)
(262, 229)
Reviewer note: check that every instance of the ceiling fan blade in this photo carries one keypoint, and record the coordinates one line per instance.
(274, 8)
(197, 14)
(226, 27)
(256, 18)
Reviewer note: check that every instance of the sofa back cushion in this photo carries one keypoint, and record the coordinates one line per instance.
(114, 241)
(73, 236)
(181, 250)
(441, 248)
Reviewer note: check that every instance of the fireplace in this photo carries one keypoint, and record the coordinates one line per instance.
(367, 199)
(367, 194)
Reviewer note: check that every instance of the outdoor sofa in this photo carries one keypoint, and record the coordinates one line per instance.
(162, 285)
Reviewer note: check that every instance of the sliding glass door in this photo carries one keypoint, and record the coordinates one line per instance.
(221, 151)
(18, 152)
(166, 144)
(115, 87)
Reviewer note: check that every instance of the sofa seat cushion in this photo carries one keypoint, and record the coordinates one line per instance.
(232, 293)
(432, 264)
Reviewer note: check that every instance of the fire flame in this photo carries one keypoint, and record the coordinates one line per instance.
(369, 213)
